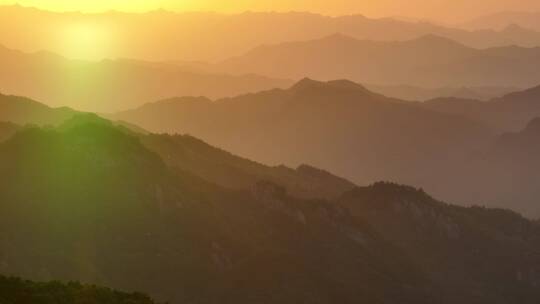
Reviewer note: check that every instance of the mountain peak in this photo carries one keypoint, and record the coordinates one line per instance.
(341, 85)
(346, 84)
(306, 83)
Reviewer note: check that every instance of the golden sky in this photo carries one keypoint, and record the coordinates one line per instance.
(444, 10)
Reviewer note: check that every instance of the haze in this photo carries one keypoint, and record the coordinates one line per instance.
(440, 10)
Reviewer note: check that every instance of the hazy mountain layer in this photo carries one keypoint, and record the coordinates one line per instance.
(113, 85)
(510, 112)
(428, 61)
(408, 92)
(339, 126)
(227, 170)
(503, 19)
(184, 153)
(504, 174)
(162, 35)
(344, 128)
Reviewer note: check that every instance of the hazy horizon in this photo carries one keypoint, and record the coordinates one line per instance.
(442, 11)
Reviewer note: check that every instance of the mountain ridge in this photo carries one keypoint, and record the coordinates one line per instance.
(275, 28)
(427, 61)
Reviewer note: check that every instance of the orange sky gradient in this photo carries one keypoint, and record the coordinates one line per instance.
(440, 10)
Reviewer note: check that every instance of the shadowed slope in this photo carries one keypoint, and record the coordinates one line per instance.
(456, 246)
(89, 202)
(223, 168)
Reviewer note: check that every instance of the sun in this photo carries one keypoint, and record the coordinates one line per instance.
(85, 40)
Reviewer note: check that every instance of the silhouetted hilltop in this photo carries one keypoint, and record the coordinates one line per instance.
(15, 290)
(307, 86)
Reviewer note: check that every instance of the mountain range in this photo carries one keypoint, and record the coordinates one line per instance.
(529, 20)
(192, 158)
(336, 125)
(215, 37)
(409, 92)
(139, 221)
(112, 85)
(438, 141)
(89, 201)
(428, 61)
(342, 127)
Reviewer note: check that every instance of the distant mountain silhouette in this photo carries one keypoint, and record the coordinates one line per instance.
(336, 125)
(408, 92)
(505, 19)
(15, 290)
(87, 201)
(214, 37)
(428, 61)
(510, 112)
(112, 85)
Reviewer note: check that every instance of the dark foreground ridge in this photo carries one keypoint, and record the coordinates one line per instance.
(18, 291)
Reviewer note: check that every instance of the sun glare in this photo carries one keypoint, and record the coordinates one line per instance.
(85, 41)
